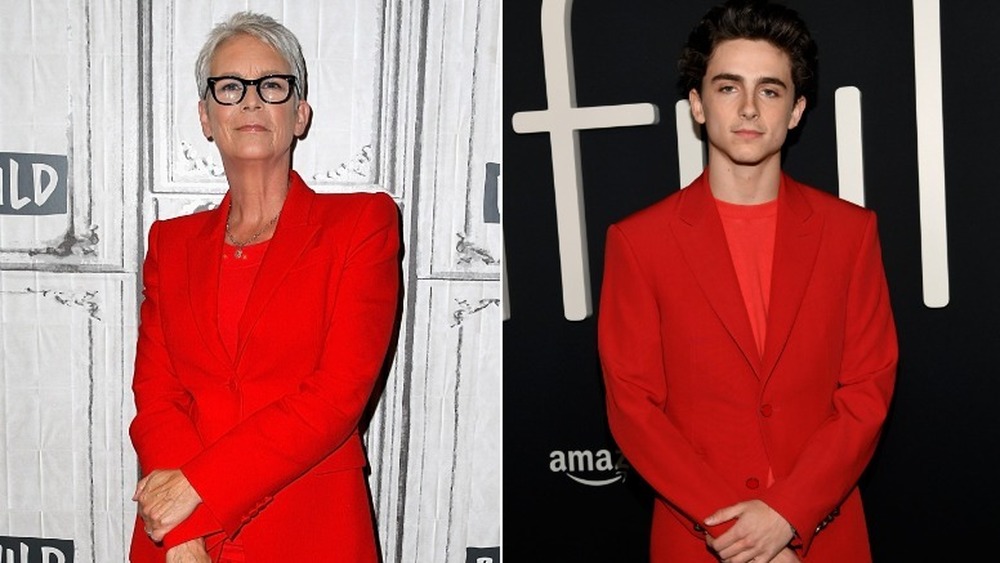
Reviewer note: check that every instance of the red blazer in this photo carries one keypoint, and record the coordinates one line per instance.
(270, 441)
(701, 414)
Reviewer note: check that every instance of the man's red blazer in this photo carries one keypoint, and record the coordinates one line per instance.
(701, 414)
(269, 439)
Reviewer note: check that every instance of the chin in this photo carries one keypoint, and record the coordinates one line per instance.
(748, 160)
(253, 154)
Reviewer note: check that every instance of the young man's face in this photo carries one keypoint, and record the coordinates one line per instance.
(747, 102)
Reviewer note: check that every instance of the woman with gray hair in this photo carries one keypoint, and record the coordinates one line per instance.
(264, 327)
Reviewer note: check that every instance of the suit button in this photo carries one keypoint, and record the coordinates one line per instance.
(232, 385)
(766, 410)
(753, 483)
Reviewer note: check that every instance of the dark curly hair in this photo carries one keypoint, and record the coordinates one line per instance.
(750, 19)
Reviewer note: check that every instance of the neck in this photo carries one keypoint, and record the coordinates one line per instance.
(744, 184)
(256, 197)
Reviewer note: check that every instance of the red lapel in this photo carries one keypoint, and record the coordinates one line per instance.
(291, 236)
(796, 245)
(204, 252)
(703, 243)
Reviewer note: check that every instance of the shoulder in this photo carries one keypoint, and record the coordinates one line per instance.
(354, 209)
(184, 225)
(652, 217)
(839, 211)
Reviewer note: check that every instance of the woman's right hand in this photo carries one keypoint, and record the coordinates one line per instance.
(166, 498)
(192, 551)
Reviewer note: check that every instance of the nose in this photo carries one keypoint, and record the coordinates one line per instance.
(251, 99)
(749, 110)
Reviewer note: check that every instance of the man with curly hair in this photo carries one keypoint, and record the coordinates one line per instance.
(745, 329)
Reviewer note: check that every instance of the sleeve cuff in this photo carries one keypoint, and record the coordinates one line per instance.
(201, 523)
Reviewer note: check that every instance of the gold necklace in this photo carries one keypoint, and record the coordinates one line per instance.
(238, 253)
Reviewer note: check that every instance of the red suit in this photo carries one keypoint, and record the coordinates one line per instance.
(702, 415)
(269, 439)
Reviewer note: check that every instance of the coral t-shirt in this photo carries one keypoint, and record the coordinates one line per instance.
(750, 234)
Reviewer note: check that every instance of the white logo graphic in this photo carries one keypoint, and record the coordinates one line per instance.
(563, 121)
(599, 468)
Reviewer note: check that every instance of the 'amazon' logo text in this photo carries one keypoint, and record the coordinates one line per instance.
(594, 469)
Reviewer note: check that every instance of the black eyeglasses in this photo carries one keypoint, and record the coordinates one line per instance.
(272, 89)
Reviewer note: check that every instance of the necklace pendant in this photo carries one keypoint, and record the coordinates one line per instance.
(238, 253)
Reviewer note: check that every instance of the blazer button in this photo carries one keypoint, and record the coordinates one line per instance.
(232, 385)
(766, 411)
(752, 483)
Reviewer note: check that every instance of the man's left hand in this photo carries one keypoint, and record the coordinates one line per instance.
(759, 533)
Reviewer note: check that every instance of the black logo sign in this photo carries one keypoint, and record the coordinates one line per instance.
(35, 550)
(482, 554)
(33, 184)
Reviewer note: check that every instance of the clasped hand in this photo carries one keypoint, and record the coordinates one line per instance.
(760, 534)
(165, 498)
(192, 551)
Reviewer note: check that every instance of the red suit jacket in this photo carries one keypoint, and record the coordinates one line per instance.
(702, 415)
(269, 440)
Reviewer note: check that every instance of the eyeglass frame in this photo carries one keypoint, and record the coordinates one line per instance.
(292, 90)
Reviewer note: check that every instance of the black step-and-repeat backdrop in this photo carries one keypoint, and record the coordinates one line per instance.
(886, 92)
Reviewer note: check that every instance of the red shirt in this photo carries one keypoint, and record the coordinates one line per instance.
(750, 234)
(235, 282)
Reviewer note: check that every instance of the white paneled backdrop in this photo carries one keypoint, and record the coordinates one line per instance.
(406, 97)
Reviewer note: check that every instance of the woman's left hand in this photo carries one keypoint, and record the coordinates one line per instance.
(192, 551)
(165, 499)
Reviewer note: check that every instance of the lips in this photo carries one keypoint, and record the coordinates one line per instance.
(748, 133)
(252, 128)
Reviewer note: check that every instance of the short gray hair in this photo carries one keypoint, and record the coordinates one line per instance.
(261, 27)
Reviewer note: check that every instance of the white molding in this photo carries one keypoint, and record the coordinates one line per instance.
(345, 73)
(460, 135)
(66, 418)
(102, 125)
(453, 477)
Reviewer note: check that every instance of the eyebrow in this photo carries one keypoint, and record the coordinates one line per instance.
(738, 78)
(243, 76)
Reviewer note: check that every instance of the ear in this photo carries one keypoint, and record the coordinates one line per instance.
(303, 112)
(797, 110)
(697, 109)
(206, 127)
